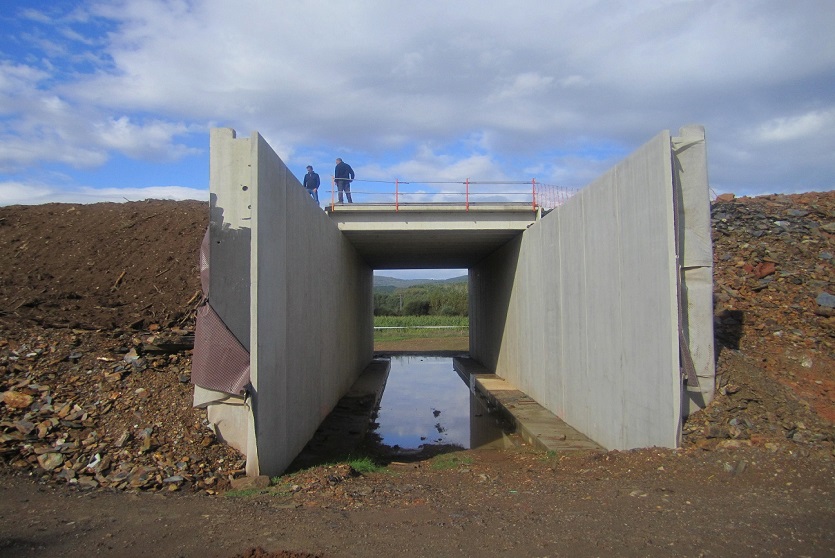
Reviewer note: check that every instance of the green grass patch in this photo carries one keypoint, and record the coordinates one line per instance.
(416, 333)
(422, 321)
(449, 461)
(364, 465)
(407, 328)
(359, 463)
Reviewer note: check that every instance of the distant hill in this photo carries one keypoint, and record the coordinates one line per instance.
(383, 281)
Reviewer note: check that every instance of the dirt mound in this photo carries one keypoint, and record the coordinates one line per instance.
(96, 325)
(101, 266)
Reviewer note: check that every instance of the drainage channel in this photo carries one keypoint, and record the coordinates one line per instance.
(408, 408)
(427, 408)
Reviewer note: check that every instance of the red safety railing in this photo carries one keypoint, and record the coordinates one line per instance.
(465, 193)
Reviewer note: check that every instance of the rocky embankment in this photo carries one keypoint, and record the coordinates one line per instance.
(774, 279)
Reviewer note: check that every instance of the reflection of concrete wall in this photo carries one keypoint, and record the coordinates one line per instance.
(582, 312)
(302, 283)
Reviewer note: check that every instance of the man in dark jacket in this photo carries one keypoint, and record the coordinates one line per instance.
(311, 182)
(343, 174)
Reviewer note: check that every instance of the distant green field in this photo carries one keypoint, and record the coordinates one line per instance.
(405, 328)
(406, 334)
(422, 321)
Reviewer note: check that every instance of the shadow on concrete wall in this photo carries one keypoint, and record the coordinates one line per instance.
(221, 359)
(490, 290)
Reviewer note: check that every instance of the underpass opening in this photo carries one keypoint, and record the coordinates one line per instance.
(425, 407)
(420, 311)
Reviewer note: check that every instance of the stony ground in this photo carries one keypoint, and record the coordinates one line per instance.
(103, 453)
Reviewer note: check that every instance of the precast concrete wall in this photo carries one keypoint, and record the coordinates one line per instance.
(695, 249)
(308, 294)
(582, 312)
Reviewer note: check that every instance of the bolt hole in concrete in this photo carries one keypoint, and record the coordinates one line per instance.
(427, 408)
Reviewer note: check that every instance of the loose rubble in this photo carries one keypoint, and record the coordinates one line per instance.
(774, 277)
(96, 410)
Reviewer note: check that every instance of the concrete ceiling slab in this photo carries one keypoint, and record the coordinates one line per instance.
(430, 236)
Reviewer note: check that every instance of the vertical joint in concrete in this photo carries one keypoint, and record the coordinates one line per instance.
(695, 260)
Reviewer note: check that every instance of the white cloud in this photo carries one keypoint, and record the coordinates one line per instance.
(19, 193)
(404, 88)
(428, 165)
(46, 145)
(151, 141)
(16, 79)
(43, 126)
(806, 125)
(522, 86)
(574, 81)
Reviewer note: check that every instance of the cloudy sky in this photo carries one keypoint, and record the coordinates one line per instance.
(113, 100)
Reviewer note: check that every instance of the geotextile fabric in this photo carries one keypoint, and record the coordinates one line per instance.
(220, 362)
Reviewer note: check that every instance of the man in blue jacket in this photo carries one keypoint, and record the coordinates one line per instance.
(311, 182)
(343, 174)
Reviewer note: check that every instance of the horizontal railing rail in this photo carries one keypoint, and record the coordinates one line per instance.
(462, 193)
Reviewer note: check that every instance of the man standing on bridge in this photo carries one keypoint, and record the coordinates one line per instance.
(311, 182)
(343, 174)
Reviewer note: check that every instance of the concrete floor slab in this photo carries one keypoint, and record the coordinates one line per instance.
(537, 425)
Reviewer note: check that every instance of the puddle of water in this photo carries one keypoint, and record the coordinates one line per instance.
(425, 403)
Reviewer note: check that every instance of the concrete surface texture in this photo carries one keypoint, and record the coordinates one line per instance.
(584, 309)
(289, 277)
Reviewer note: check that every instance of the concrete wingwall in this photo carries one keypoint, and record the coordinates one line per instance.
(581, 312)
(306, 289)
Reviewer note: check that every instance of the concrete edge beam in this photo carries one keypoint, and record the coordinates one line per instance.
(538, 426)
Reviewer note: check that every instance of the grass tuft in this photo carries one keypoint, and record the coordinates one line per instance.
(447, 461)
(364, 465)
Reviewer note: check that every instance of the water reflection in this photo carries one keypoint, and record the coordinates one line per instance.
(425, 403)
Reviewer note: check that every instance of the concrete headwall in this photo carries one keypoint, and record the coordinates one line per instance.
(306, 289)
(582, 312)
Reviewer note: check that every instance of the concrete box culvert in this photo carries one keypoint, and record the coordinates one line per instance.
(588, 309)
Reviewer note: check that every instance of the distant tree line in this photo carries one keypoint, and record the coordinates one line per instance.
(446, 299)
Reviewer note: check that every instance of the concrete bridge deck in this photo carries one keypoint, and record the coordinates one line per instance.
(430, 235)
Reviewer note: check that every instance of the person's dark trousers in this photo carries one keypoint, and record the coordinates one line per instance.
(344, 186)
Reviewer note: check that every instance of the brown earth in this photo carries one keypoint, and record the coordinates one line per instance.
(102, 452)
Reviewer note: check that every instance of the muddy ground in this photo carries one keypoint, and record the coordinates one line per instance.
(102, 453)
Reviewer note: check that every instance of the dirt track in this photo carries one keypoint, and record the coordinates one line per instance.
(96, 302)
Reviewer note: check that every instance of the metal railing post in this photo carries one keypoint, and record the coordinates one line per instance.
(396, 195)
(533, 193)
(467, 196)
